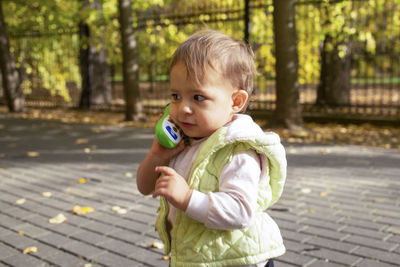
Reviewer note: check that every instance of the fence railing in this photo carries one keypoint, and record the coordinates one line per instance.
(371, 29)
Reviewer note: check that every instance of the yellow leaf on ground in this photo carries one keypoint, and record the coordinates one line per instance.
(32, 154)
(20, 201)
(129, 175)
(60, 218)
(82, 210)
(30, 250)
(323, 194)
(47, 194)
(119, 210)
(87, 265)
(82, 181)
(21, 233)
(87, 150)
(81, 141)
(166, 258)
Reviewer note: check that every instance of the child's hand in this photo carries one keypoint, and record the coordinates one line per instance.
(157, 150)
(173, 187)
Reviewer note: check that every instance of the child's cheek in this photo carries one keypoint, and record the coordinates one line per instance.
(172, 114)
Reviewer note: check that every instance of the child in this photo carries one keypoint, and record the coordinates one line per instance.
(214, 191)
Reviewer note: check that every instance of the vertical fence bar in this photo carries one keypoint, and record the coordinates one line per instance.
(247, 21)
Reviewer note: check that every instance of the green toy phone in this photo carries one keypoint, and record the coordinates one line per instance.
(167, 133)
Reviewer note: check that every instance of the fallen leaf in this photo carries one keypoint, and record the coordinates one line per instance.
(82, 210)
(47, 194)
(158, 245)
(60, 218)
(29, 250)
(325, 151)
(87, 265)
(21, 233)
(311, 211)
(166, 258)
(87, 150)
(81, 141)
(129, 175)
(119, 210)
(32, 154)
(96, 130)
(393, 230)
(82, 181)
(306, 190)
(323, 194)
(20, 201)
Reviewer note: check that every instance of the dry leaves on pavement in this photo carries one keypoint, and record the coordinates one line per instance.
(78, 210)
(60, 218)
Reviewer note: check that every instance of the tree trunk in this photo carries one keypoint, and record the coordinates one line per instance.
(95, 72)
(84, 63)
(133, 108)
(100, 83)
(288, 109)
(11, 79)
(1, 90)
(334, 87)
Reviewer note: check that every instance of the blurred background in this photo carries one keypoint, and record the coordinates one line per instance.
(342, 58)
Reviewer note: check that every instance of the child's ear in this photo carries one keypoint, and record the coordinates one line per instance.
(239, 100)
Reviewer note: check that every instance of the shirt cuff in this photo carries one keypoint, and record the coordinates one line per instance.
(198, 206)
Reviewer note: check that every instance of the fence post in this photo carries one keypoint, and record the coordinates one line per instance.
(246, 21)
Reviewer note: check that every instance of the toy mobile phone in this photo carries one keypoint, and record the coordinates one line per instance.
(167, 133)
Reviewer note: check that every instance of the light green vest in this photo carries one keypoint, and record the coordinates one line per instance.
(193, 244)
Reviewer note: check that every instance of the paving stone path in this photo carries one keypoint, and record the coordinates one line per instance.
(340, 207)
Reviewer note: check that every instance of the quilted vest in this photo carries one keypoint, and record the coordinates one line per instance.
(192, 244)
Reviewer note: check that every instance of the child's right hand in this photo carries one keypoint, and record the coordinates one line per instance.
(165, 154)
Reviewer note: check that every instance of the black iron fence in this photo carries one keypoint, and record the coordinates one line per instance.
(368, 31)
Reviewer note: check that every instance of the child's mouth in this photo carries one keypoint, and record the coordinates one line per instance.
(186, 124)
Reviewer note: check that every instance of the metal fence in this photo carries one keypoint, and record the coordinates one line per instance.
(372, 26)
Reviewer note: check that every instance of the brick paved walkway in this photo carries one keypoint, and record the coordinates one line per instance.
(341, 205)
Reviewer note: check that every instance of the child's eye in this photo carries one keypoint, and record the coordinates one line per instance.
(199, 98)
(175, 96)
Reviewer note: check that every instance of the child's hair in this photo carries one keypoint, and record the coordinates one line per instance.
(230, 57)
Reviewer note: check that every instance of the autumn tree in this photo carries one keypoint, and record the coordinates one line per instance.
(44, 43)
(288, 110)
(11, 78)
(133, 105)
(95, 71)
(336, 56)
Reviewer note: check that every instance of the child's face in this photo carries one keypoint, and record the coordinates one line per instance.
(200, 110)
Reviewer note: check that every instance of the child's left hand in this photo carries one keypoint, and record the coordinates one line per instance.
(173, 187)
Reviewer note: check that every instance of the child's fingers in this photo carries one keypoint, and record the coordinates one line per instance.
(165, 170)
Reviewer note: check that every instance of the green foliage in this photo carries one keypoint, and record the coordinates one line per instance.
(44, 35)
(48, 55)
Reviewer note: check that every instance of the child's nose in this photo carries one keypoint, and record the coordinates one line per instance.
(185, 108)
